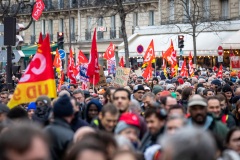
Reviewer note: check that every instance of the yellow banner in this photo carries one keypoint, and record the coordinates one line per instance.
(28, 92)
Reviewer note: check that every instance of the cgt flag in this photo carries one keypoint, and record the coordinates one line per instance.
(38, 9)
(38, 78)
(149, 55)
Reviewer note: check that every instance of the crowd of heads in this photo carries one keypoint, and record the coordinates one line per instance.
(186, 118)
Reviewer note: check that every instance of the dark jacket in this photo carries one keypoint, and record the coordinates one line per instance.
(215, 126)
(148, 140)
(77, 122)
(42, 115)
(227, 118)
(99, 107)
(61, 136)
(96, 123)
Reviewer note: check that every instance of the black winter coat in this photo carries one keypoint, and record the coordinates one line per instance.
(61, 136)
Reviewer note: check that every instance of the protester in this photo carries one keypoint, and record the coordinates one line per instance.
(233, 139)
(121, 99)
(148, 99)
(31, 109)
(93, 108)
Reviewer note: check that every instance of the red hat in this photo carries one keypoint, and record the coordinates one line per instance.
(130, 119)
(180, 80)
(165, 93)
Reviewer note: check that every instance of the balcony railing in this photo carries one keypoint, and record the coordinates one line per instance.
(112, 33)
(32, 39)
(99, 35)
(87, 35)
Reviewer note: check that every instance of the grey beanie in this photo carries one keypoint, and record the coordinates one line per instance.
(156, 89)
(122, 126)
(169, 86)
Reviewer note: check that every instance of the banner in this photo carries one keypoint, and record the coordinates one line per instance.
(111, 65)
(138, 72)
(102, 81)
(122, 75)
(38, 9)
(38, 78)
(235, 62)
(83, 73)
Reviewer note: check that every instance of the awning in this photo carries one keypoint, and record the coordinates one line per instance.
(232, 41)
(31, 49)
(207, 43)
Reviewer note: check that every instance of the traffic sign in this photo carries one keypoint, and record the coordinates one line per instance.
(220, 58)
(17, 55)
(62, 53)
(220, 50)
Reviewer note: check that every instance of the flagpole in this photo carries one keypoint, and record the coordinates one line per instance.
(93, 82)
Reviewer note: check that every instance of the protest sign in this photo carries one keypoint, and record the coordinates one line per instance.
(83, 73)
(102, 81)
(139, 72)
(122, 75)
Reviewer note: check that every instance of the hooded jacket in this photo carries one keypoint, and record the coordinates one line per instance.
(99, 107)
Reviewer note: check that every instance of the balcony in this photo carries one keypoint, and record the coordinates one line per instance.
(32, 39)
(87, 35)
(99, 35)
(112, 33)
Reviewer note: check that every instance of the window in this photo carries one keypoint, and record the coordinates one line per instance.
(171, 10)
(187, 9)
(61, 25)
(72, 22)
(206, 8)
(60, 4)
(113, 27)
(151, 18)
(100, 33)
(89, 23)
(43, 27)
(135, 19)
(113, 22)
(33, 28)
(100, 21)
(50, 26)
(224, 9)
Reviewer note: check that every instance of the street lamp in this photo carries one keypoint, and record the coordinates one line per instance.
(9, 13)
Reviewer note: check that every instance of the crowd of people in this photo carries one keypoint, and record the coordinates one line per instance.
(182, 118)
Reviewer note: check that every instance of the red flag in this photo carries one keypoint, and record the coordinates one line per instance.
(110, 52)
(174, 70)
(71, 68)
(61, 81)
(57, 63)
(121, 63)
(93, 67)
(149, 55)
(147, 74)
(169, 51)
(82, 58)
(38, 78)
(40, 40)
(184, 70)
(219, 74)
(191, 71)
(38, 9)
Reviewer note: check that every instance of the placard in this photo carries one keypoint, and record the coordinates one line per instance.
(138, 72)
(102, 81)
(122, 75)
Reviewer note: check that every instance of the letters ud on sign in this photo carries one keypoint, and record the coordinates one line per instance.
(122, 75)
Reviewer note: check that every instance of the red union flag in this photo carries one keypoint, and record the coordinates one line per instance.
(38, 9)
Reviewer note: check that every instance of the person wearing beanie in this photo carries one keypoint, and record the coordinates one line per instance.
(129, 127)
(93, 108)
(31, 109)
(154, 81)
(43, 110)
(170, 87)
(227, 90)
(59, 130)
(215, 83)
(197, 107)
(138, 92)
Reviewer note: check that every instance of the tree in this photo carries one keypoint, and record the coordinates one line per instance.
(121, 7)
(196, 14)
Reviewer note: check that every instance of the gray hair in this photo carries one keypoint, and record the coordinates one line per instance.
(148, 94)
(78, 91)
(134, 105)
(200, 90)
(123, 142)
(189, 143)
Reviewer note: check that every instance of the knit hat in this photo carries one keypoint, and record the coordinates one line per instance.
(169, 86)
(226, 88)
(197, 100)
(63, 107)
(180, 80)
(127, 120)
(97, 103)
(216, 82)
(174, 94)
(155, 79)
(233, 74)
(156, 89)
(138, 88)
(235, 99)
(32, 105)
(44, 99)
(165, 93)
